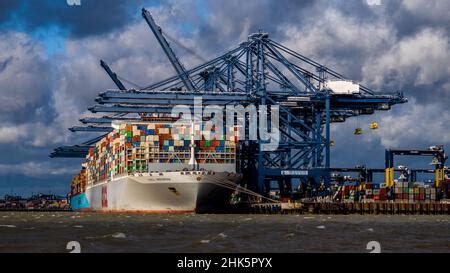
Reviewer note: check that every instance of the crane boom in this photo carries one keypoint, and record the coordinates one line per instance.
(112, 75)
(181, 71)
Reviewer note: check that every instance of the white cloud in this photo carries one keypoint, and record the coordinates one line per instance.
(337, 34)
(420, 59)
(35, 134)
(12, 133)
(24, 72)
(413, 124)
(436, 10)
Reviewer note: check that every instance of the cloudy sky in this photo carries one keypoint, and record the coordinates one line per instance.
(50, 73)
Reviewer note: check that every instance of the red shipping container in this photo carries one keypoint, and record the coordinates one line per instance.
(383, 194)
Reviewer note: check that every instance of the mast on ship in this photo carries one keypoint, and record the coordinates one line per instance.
(193, 161)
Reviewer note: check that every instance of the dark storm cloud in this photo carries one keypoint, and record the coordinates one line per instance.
(90, 18)
(231, 21)
(411, 16)
(6, 6)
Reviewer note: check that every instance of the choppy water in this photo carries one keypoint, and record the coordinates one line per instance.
(50, 232)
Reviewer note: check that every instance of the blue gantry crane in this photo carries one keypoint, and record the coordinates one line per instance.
(179, 68)
(257, 72)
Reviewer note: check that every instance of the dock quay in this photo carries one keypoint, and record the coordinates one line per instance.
(377, 208)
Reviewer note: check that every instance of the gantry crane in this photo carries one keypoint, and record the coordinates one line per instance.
(257, 72)
(436, 152)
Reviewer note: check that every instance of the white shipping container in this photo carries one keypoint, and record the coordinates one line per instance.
(164, 131)
(342, 87)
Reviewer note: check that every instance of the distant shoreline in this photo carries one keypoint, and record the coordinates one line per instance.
(36, 210)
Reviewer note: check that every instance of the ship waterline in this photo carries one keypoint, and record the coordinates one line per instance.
(164, 192)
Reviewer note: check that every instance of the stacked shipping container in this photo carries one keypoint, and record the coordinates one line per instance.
(411, 192)
(79, 183)
(131, 148)
(404, 192)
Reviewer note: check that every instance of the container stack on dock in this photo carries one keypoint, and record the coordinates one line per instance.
(404, 192)
(410, 192)
(365, 193)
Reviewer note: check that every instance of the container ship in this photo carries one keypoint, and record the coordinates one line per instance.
(158, 167)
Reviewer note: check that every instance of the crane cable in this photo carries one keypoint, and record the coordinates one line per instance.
(189, 50)
(233, 186)
(129, 82)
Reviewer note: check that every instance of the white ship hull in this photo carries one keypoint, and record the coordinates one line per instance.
(166, 192)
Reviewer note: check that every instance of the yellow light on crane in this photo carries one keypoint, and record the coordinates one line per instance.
(332, 143)
(374, 125)
(358, 131)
